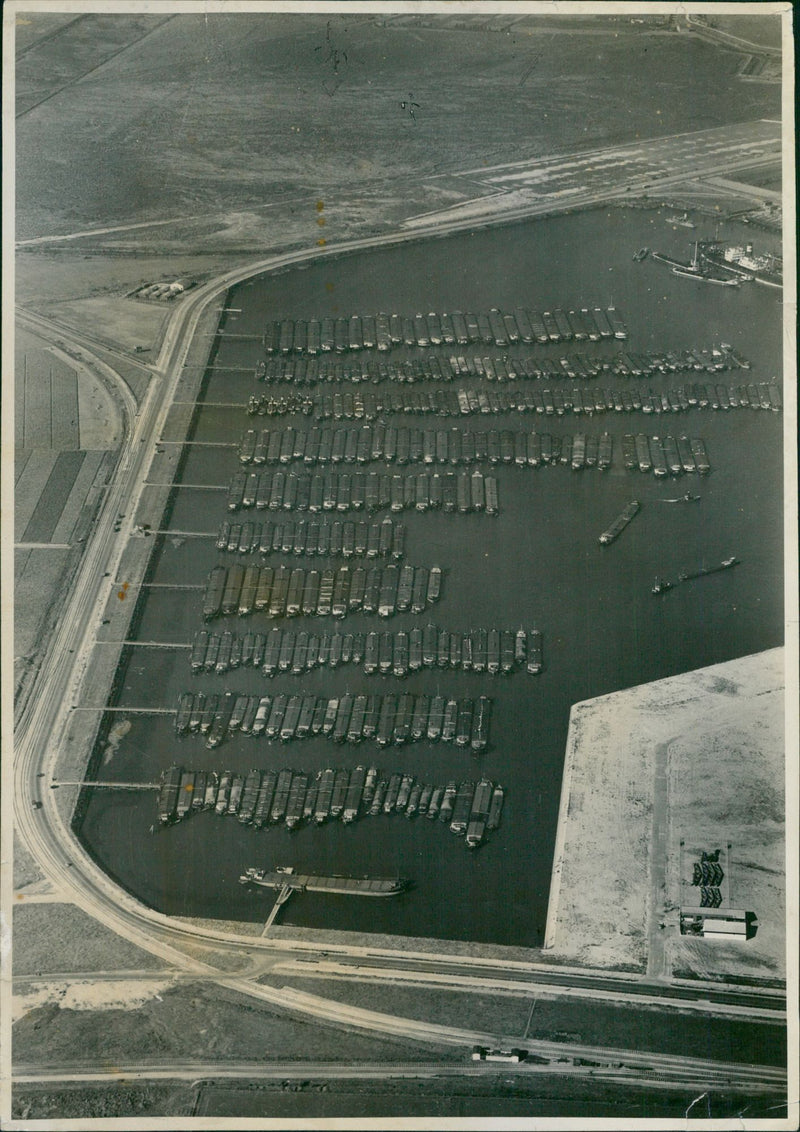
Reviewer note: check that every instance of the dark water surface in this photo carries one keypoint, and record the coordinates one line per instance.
(538, 564)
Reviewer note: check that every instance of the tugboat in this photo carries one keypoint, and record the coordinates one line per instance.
(642, 253)
(698, 270)
(684, 220)
(689, 497)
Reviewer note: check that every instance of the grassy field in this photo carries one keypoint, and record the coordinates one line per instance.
(765, 31)
(195, 1021)
(216, 118)
(105, 1101)
(500, 1013)
(26, 870)
(60, 937)
(58, 53)
(538, 1017)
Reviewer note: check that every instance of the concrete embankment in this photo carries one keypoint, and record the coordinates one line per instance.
(80, 753)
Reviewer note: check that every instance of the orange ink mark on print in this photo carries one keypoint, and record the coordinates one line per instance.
(321, 242)
(321, 221)
(121, 594)
(320, 205)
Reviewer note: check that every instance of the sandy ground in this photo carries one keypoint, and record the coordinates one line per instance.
(117, 994)
(697, 758)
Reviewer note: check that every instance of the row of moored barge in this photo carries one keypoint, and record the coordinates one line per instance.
(302, 372)
(345, 539)
(362, 491)
(281, 592)
(665, 455)
(496, 651)
(348, 718)
(378, 442)
(385, 332)
(548, 401)
(263, 798)
(284, 404)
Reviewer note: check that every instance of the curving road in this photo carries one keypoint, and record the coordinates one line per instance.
(42, 725)
(727, 39)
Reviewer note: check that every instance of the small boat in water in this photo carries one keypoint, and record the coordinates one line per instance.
(662, 586)
(641, 254)
(689, 497)
(684, 220)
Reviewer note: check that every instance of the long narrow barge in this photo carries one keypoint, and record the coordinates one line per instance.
(345, 886)
(662, 586)
(620, 523)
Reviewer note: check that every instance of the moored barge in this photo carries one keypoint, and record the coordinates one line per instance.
(304, 882)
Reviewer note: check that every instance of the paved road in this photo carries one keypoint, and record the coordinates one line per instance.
(607, 1065)
(538, 187)
(473, 974)
(680, 1067)
(701, 28)
(42, 725)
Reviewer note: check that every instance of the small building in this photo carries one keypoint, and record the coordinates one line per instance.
(483, 1053)
(714, 923)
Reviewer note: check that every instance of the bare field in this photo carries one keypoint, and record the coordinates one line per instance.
(220, 114)
(549, 1017)
(717, 736)
(125, 322)
(726, 788)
